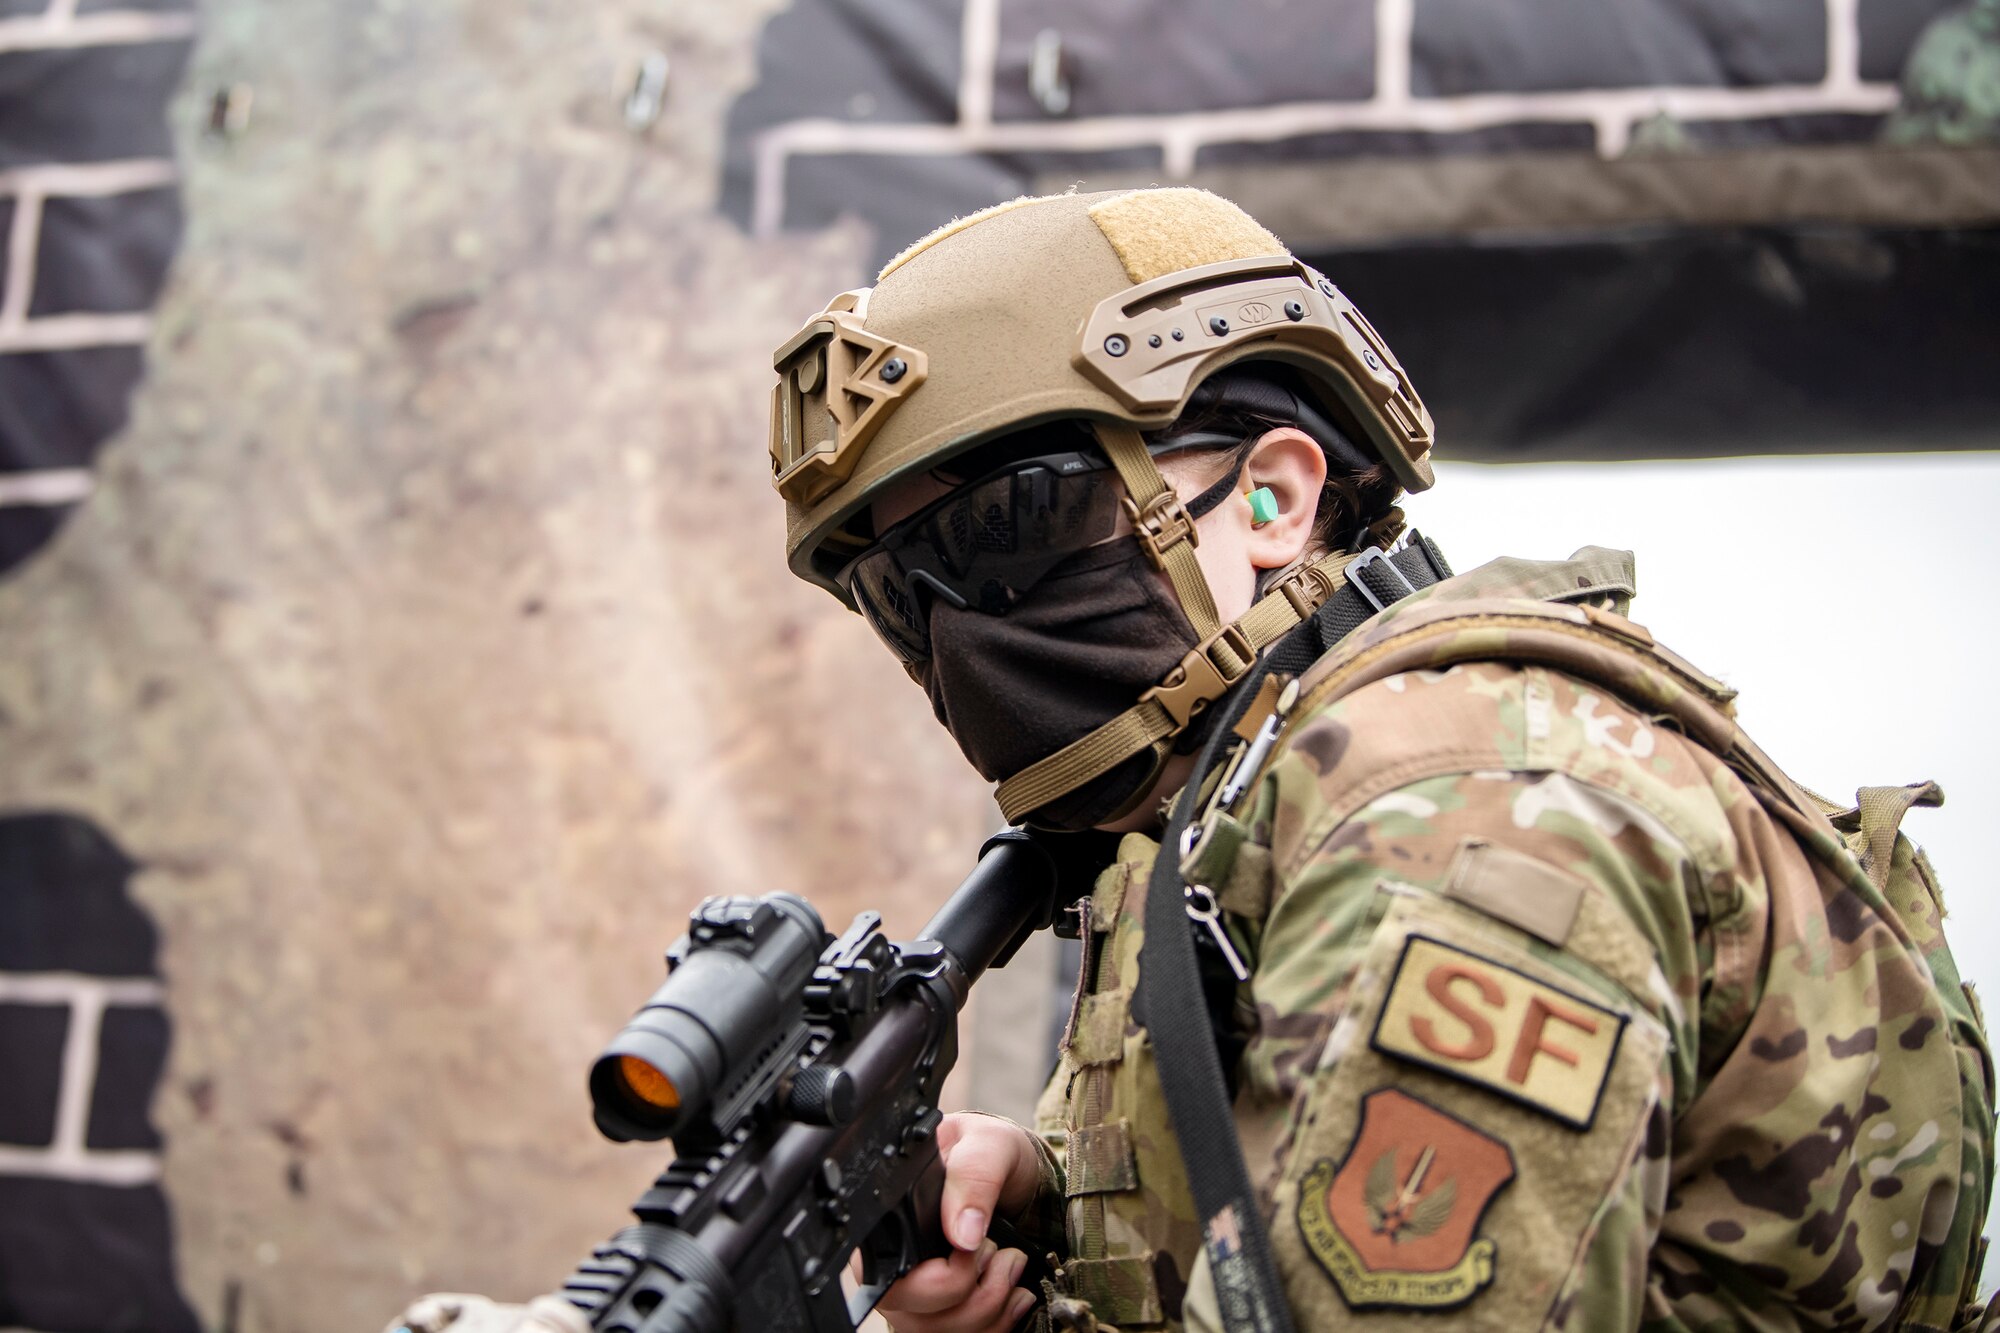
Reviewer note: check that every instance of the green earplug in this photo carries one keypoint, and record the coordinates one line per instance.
(1263, 506)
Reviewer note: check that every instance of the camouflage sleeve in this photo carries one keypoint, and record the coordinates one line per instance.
(1479, 989)
(1040, 1223)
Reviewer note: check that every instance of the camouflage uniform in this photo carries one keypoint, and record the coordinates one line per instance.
(1552, 1023)
(1951, 85)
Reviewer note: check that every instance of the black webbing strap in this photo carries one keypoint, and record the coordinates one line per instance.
(1171, 1002)
(1374, 581)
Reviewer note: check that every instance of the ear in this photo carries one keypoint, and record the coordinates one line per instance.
(1291, 464)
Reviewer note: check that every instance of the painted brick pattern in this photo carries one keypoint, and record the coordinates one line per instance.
(89, 218)
(84, 1233)
(837, 124)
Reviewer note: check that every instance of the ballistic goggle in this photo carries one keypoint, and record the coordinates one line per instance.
(983, 546)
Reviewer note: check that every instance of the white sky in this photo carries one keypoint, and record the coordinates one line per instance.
(1851, 600)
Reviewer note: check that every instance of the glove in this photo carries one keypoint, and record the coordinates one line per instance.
(476, 1314)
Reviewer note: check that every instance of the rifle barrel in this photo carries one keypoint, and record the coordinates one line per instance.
(1007, 895)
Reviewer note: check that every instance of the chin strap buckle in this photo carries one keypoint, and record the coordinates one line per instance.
(1199, 679)
(1162, 525)
(1308, 589)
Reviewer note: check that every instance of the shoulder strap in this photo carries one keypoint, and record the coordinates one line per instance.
(1172, 1002)
(1877, 816)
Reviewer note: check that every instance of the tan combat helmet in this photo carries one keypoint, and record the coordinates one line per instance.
(1111, 307)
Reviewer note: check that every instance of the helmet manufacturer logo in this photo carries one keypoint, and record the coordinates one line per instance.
(1253, 312)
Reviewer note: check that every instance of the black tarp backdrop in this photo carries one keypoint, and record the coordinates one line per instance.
(85, 1238)
(1643, 228)
(91, 218)
(1695, 343)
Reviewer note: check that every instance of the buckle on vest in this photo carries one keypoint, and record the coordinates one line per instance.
(1197, 681)
(1162, 525)
(1375, 558)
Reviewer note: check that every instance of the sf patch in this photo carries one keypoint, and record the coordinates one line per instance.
(1494, 1026)
(1395, 1223)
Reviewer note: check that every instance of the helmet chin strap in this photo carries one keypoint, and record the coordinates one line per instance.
(1161, 522)
(1223, 656)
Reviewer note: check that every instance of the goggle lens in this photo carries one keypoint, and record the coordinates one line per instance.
(983, 546)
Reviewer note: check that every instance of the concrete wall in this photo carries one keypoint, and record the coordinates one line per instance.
(427, 641)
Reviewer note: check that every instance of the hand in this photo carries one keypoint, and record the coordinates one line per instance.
(992, 1167)
(476, 1314)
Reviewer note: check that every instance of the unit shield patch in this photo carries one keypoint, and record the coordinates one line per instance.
(1394, 1223)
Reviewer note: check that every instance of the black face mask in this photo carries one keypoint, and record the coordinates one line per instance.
(1077, 650)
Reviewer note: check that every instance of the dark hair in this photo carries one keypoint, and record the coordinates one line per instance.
(1245, 401)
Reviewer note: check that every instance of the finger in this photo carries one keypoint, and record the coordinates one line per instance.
(950, 1130)
(985, 1309)
(939, 1284)
(976, 1169)
(1018, 1306)
(989, 1301)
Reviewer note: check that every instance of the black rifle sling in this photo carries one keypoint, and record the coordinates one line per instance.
(1171, 1003)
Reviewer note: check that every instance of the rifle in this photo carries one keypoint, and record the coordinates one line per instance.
(798, 1077)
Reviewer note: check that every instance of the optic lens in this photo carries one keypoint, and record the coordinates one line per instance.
(648, 1084)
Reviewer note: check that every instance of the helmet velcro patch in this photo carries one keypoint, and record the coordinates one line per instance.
(1160, 231)
(956, 225)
